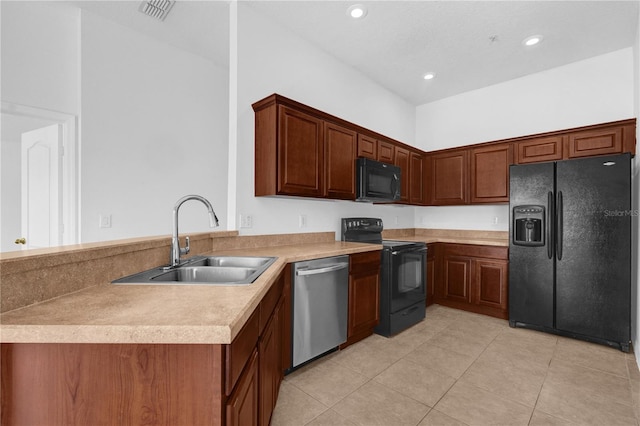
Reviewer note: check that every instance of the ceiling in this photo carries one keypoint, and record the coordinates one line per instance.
(468, 44)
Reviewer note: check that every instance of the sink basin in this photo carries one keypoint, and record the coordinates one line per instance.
(206, 274)
(207, 270)
(231, 261)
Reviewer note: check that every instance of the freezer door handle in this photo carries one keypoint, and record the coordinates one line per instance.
(559, 226)
(550, 216)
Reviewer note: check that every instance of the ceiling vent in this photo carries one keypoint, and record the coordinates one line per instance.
(158, 9)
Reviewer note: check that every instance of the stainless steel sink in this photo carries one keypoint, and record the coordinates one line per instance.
(232, 261)
(207, 270)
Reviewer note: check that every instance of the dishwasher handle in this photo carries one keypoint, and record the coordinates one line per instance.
(336, 267)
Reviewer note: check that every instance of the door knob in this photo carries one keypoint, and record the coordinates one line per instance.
(21, 240)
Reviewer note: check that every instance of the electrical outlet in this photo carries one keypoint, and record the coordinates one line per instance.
(104, 221)
(396, 220)
(302, 220)
(246, 221)
(495, 220)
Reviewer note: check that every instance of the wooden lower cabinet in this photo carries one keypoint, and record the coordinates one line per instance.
(364, 295)
(431, 273)
(472, 278)
(270, 366)
(114, 384)
(242, 405)
(159, 384)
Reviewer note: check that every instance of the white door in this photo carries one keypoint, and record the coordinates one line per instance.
(41, 187)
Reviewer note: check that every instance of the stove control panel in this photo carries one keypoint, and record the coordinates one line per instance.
(362, 229)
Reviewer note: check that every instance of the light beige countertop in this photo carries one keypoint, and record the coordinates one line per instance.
(189, 314)
(454, 236)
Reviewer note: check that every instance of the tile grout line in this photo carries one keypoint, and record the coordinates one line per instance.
(546, 374)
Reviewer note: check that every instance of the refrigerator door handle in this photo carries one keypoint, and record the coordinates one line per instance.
(550, 216)
(559, 226)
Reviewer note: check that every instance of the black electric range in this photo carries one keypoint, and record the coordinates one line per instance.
(402, 274)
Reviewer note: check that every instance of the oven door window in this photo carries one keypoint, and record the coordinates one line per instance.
(409, 278)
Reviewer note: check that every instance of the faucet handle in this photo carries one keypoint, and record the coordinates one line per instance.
(186, 248)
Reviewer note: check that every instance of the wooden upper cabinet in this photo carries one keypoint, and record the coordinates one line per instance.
(386, 152)
(301, 151)
(402, 160)
(416, 181)
(535, 150)
(490, 173)
(450, 178)
(300, 154)
(596, 142)
(340, 168)
(367, 147)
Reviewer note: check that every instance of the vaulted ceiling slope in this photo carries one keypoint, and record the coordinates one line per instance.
(468, 44)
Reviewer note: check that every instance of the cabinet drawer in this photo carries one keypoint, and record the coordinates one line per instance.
(238, 352)
(364, 262)
(470, 250)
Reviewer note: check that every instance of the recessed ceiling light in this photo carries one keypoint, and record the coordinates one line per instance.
(429, 76)
(357, 11)
(532, 40)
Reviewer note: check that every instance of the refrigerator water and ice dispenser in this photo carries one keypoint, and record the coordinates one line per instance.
(528, 225)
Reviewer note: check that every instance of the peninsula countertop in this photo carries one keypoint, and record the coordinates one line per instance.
(187, 314)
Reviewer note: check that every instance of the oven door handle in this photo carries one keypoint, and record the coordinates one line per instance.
(412, 250)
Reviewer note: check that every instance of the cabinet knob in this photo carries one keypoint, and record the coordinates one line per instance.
(21, 240)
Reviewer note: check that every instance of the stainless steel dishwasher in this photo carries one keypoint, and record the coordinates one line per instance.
(320, 304)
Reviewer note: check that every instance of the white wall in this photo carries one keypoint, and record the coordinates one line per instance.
(154, 128)
(587, 92)
(40, 55)
(273, 60)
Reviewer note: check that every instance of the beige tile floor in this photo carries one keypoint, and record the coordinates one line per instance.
(459, 368)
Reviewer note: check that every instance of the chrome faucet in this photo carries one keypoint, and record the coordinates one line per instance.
(176, 250)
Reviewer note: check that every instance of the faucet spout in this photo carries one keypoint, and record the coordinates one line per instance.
(176, 250)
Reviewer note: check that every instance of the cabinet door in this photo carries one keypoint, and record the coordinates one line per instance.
(540, 149)
(491, 283)
(340, 165)
(270, 366)
(595, 142)
(490, 173)
(450, 179)
(364, 302)
(300, 154)
(402, 161)
(285, 319)
(242, 405)
(386, 152)
(367, 147)
(457, 278)
(431, 274)
(416, 189)
(364, 295)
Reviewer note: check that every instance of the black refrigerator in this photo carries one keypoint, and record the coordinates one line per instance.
(570, 248)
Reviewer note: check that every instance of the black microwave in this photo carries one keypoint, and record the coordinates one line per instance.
(376, 181)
